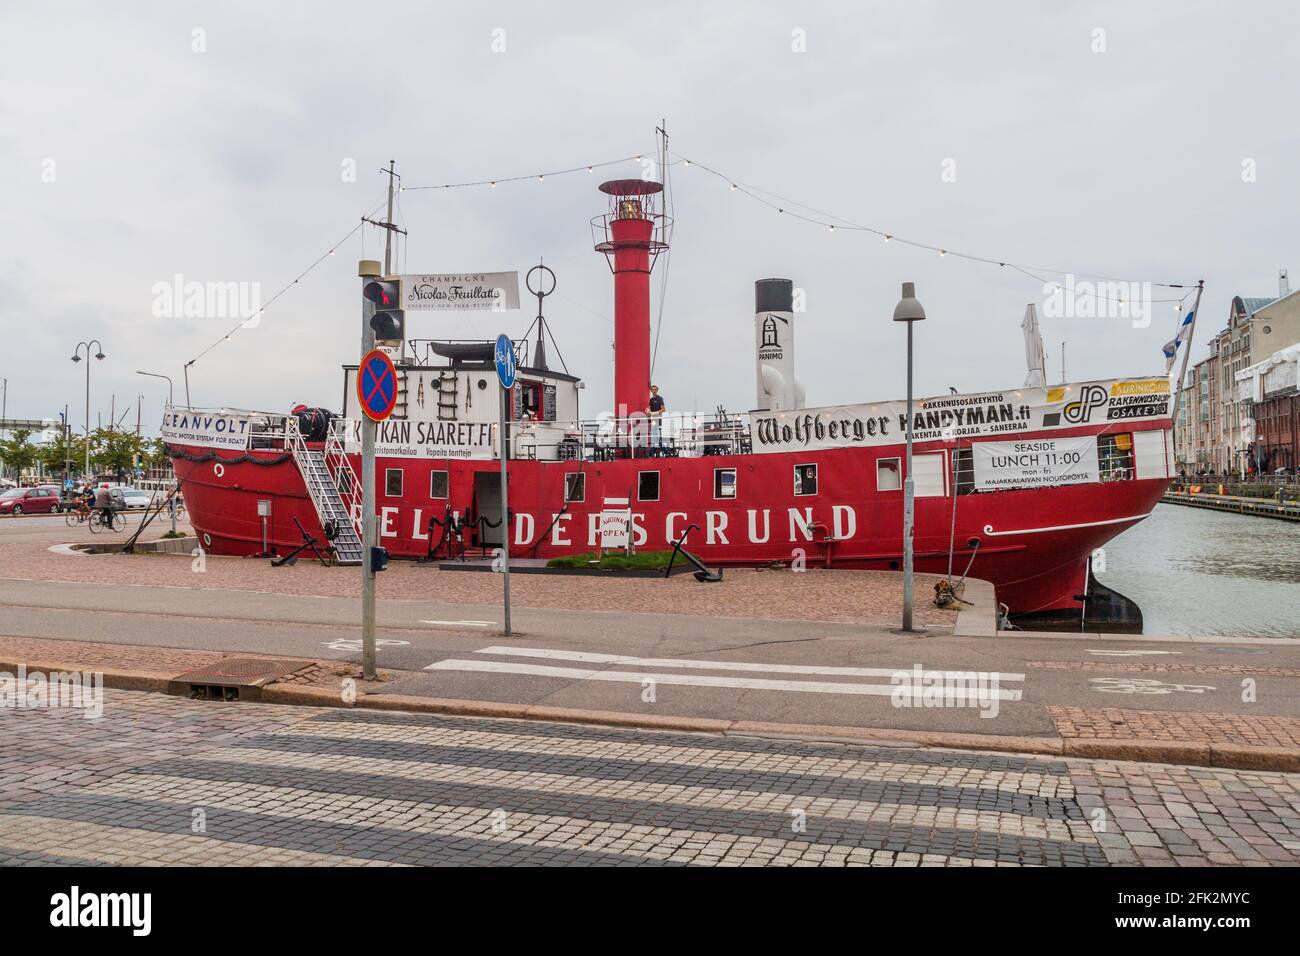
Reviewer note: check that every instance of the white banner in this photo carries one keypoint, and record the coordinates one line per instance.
(408, 439)
(948, 417)
(479, 291)
(187, 426)
(1035, 462)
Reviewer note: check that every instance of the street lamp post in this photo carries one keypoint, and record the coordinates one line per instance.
(170, 397)
(170, 402)
(76, 357)
(908, 310)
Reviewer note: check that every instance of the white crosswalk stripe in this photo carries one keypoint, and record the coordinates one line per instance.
(687, 680)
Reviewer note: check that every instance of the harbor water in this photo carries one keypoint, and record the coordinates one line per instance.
(1196, 571)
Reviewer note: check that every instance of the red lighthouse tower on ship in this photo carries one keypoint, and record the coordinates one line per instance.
(631, 235)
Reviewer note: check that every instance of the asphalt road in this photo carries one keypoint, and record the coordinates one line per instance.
(726, 668)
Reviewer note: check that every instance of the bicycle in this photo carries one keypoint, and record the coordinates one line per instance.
(113, 521)
(75, 516)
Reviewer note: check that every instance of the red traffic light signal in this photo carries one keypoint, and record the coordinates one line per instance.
(389, 321)
(384, 293)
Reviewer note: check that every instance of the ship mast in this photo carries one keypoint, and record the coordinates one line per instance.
(389, 227)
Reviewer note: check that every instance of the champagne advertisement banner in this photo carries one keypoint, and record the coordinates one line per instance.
(475, 291)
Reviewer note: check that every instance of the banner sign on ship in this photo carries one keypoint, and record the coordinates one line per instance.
(185, 426)
(477, 291)
(950, 417)
(417, 439)
(1034, 462)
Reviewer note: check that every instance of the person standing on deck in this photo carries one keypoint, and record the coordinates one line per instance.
(656, 411)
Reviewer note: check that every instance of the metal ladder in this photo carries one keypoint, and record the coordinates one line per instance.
(446, 396)
(325, 495)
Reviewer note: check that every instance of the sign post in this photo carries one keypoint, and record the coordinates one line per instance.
(368, 270)
(504, 353)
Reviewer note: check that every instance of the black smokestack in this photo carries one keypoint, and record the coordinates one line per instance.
(774, 295)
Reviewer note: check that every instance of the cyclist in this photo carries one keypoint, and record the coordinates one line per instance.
(104, 505)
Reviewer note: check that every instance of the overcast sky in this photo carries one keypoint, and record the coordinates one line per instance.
(143, 140)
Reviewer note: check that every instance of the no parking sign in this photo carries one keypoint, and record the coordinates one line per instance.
(377, 385)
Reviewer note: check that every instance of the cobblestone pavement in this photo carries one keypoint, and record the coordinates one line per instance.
(1117, 723)
(160, 780)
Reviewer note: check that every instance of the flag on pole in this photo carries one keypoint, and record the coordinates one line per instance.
(1171, 348)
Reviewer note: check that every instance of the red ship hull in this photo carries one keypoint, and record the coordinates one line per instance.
(1032, 544)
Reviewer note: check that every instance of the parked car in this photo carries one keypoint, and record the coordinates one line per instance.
(132, 497)
(30, 501)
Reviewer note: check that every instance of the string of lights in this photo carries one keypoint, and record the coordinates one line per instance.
(539, 177)
(243, 322)
(781, 204)
(786, 206)
(820, 218)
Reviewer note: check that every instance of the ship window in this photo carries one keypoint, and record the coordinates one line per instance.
(889, 474)
(1115, 456)
(438, 484)
(344, 479)
(724, 482)
(393, 482)
(647, 486)
(805, 479)
(575, 486)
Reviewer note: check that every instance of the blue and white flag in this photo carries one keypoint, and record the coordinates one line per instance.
(1171, 348)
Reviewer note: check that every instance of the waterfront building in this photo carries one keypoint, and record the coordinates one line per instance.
(1269, 388)
(1219, 435)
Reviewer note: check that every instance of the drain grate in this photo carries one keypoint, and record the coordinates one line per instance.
(232, 678)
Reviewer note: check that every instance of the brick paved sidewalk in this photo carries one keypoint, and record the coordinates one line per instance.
(1115, 723)
(160, 780)
(872, 597)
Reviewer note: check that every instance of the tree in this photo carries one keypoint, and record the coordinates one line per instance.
(17, 452)
(155, 453)
(56, 455)
(114, 451)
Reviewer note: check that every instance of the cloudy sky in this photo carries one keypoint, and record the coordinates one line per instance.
(139, 141)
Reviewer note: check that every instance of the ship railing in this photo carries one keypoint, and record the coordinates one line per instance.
(609, 438)
(336, 463)
(345, 478)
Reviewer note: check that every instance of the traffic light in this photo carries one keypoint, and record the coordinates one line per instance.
(389, 321)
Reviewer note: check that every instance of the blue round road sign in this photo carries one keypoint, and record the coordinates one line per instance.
(505, 358)
(377, 385)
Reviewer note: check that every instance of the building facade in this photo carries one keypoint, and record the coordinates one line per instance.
(1218, 435)
(1270, 389)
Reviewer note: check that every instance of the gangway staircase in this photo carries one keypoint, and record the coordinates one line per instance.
(333, 487)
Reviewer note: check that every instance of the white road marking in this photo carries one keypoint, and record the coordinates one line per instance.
(1105, 653)
(461, 623)
(587, 657)
(354, 643)
(1135, 685)
(688, 680)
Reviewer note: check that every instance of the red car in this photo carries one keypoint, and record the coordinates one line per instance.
(30, 501)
